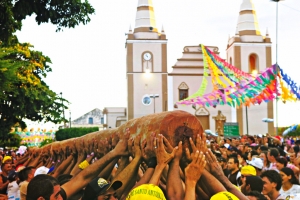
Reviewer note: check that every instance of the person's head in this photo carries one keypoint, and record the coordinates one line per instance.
(272, 181)
(287, 175)
(261, 148)
(281, 162)
(12, 176)
(43, 187)
(252, 183)
(146, 191)
(228, 140)
(251, 139)
(251, 154)
(272, 154)
(64, 178)
(233, 163)
(255, 195)
(257, 163)
(27, 174)
(292, 157)
(241, 147)
(100, 189)
(222, 161)
(296, 149)
(6, 167)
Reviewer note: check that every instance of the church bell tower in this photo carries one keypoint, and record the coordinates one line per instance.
(250, 51)
(146, 65)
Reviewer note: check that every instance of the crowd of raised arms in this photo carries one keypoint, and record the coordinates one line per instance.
(248, 167)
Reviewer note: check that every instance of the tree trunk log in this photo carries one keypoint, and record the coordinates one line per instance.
(174, 125)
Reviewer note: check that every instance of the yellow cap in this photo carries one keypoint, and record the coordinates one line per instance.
(146, 192)
(248, 170)
(224, 196)
(6, 158)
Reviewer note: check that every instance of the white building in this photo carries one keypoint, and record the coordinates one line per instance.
(147, 74)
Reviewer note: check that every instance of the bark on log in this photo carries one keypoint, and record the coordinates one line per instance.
(174, 125)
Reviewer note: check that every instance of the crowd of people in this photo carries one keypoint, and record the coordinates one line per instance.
(205, 167)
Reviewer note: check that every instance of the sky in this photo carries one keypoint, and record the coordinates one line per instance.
(89, 61)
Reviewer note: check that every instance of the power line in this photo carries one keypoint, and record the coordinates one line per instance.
(290, 7)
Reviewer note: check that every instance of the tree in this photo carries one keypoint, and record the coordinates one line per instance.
(24, 94)
(63, 13)
(23, 91)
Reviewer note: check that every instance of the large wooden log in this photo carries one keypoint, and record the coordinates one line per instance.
(174, 125)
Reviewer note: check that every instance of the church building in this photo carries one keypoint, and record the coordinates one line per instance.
(147, 75)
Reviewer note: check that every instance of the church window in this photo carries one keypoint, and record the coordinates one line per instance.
(183, 90)
(102, 120)
(253, 63)
(91, 121)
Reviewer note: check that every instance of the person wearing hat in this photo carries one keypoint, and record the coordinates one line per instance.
(100, 189)
(6, 168)
(147, 192)
(13, 189)
(47, 187)
(224, 196)
(258, 164)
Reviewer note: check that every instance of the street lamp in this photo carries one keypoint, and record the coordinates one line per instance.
(277, 1)
(69, 118)
(62, 102)
(153, 96)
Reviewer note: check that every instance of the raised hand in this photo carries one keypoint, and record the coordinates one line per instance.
(178, 153)
(200, 146)
(147, 147)
(163, 157)
(137, 147)
(121, 147)
(195, 169)
(168, 146)
(213, 164)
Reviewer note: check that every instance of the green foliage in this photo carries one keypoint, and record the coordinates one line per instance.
(293, 133)
(62, 13)
(45, 142)
(10, 140)
(24, 94)
(67, 133)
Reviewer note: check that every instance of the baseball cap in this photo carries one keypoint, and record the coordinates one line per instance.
(256, 162)
(146, 191)
(6, 158)
(99, 186)
(248, 170)
(12, 175)
(224, 196)
(41, 170)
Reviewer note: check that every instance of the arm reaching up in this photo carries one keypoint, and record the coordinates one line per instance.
(193, 173)
(163, 158)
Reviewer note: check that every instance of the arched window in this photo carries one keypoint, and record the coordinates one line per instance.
(91, 121)
(183, 91)
(253, 63)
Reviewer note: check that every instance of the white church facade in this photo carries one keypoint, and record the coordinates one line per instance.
(147, 74)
